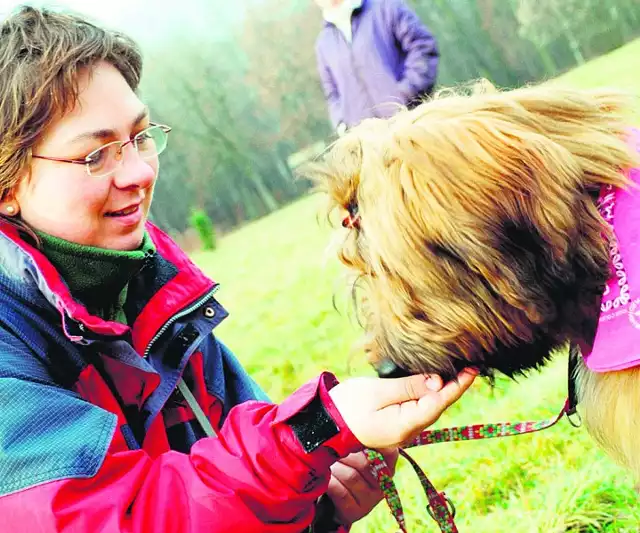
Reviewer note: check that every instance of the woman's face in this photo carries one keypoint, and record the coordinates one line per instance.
(61, 199)
(328, 4)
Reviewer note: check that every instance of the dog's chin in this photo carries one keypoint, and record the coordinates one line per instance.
(388, 368)
(511, 361)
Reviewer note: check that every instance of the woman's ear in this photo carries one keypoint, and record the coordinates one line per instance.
(9, 205)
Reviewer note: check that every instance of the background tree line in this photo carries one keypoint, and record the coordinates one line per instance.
(244, 102)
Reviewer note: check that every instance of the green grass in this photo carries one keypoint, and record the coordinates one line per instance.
(278, 283)
(619, 69)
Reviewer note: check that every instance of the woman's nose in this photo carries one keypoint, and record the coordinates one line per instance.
(134, 171)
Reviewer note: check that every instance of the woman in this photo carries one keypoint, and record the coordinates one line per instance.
(121, 411)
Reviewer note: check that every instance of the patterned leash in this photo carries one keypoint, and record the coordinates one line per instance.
(439, 506)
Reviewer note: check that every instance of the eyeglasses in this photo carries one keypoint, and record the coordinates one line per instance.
(107, 159)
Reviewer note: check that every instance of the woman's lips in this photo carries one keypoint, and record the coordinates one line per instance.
(129, 216)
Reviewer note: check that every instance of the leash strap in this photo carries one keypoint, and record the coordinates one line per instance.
(484, 431)
(439, 506)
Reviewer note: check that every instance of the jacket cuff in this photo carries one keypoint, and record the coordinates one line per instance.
(406, 90)
(316, 422)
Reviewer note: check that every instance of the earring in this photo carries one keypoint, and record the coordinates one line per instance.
(10, 210)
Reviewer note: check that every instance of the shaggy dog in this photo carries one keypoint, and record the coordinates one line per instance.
(480, 229)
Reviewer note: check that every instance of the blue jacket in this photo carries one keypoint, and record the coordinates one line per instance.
(392, 59)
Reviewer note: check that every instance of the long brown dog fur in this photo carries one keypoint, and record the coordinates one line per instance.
(479, 242)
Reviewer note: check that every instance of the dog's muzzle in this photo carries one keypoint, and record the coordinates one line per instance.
(386, 368)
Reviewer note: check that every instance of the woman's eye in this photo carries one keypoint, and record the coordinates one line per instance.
(143, 137)
(96, 158)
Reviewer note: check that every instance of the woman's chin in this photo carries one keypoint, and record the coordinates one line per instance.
(130, 241)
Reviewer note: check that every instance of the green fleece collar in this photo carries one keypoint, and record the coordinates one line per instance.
(97, 277)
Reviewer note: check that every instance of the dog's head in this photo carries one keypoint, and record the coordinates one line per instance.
(477, 240)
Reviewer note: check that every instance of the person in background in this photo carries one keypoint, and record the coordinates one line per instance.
(373, 55)
(121, 409)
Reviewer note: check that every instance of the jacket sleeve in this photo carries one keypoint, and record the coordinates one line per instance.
(263, 473)
(420, 48)
(329, 88)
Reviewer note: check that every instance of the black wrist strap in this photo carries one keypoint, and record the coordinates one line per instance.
(313, 426)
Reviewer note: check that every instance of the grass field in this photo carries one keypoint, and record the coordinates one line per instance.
(278, 284)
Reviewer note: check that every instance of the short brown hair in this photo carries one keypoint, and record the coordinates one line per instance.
(42, 53)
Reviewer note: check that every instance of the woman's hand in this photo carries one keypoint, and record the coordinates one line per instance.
(384, 413)
(353, 488)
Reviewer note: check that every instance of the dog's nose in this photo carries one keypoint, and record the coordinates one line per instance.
(386, 368)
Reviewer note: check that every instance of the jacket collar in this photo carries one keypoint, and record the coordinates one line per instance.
(357, 7)
(344, 10)
(165, 286)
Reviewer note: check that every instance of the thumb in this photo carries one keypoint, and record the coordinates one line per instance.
(399, 390)
(413, 417)
(431, 406)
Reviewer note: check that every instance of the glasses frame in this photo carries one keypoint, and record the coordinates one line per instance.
(86, 160)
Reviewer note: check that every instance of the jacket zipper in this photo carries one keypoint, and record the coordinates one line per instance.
(363, 85)
(356, 70)
(177, 316)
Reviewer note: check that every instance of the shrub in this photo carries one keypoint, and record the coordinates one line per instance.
(202, 223)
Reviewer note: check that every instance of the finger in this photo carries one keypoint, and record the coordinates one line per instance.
(360, 463)
(428, 409)
(342, 499)
(453, 390)
(391, 458)
(359, 495)
(347, 509)
(398, 390)
(352, 481)
(414, 415)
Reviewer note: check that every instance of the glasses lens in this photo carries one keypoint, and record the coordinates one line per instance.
(104, 160)
(151, 142)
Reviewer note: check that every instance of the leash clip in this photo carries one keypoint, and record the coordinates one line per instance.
(451, 508)
(574, 418)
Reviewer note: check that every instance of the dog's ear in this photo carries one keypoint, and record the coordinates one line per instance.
(522, 243)
(337, 173)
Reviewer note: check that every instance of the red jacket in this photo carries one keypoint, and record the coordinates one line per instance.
(95, 437)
